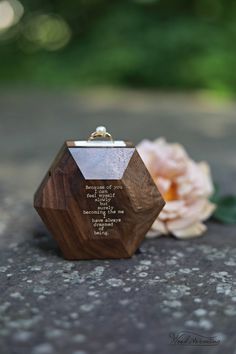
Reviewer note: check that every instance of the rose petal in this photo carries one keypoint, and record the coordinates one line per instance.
(174, 205)
(207, 211)
(153, 234)
(169, 215)
(194, 230)
(158, 227)
(163, 159)
(163, 184)
(189, 217)
(205, 168)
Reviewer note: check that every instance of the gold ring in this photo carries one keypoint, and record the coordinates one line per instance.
(100, 132)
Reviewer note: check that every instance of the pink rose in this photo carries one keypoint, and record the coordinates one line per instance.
(184, 184)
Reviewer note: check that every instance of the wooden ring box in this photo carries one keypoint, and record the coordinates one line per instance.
(98, 199)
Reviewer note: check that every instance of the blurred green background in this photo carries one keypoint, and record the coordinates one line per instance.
(172, 45)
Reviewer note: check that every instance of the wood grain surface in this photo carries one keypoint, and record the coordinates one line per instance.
(98, 202)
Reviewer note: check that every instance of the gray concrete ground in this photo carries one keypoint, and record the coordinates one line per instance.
(49, 305)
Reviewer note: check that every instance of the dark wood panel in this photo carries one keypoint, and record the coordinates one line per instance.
(98, 218)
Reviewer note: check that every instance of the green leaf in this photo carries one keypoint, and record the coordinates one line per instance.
(226, 210)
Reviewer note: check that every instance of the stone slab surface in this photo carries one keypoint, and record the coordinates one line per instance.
(49, 305)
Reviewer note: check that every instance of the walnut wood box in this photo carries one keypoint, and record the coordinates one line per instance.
(98, 201)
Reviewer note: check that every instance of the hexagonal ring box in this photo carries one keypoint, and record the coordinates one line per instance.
(98, 199)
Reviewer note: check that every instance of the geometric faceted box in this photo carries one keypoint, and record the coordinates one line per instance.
(98, 199)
